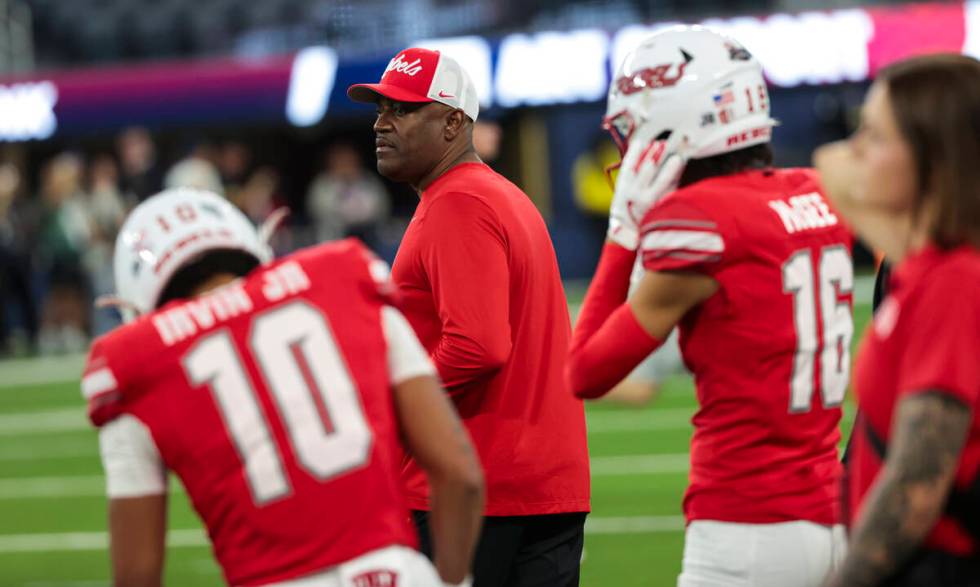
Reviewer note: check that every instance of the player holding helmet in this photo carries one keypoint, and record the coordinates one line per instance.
(754, 268)
(277, 392)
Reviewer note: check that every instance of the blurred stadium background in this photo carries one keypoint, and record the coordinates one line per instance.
(103, 102)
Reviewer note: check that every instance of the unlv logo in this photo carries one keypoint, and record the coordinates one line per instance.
(402, 66)
(376, 579)
(660, 76)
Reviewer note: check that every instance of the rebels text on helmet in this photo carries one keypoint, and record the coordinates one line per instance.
(651, 78)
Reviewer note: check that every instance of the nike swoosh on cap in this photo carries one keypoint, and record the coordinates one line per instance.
(445, 95)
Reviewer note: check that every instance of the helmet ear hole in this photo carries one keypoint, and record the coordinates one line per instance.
(189, 277)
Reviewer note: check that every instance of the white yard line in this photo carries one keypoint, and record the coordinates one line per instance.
(37, 450)
(633, 524)
(12, 543)
(616, 465)
(82, 541)
(94, 485)
(640, 464)
(93, 583)
(47, 487)
(40, 371)
(71, 419)
(633, 420)
(42, 422)
(67, 486)
(864, 289)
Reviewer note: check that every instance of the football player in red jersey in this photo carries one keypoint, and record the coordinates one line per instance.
(754, 267)
(279, 393)
(908, 183)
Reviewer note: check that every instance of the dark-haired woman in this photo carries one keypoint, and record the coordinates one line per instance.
(909, 183)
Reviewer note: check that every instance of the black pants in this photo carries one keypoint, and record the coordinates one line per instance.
(522, 551)
(933, 568)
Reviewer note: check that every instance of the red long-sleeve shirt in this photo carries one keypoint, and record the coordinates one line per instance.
(480, 286)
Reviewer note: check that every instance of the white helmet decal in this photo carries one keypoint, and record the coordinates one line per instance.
(653, 77)
(170, 230)
(701, 92)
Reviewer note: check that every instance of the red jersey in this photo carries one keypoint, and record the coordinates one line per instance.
(270, 399)
(925, 337)
(480, 286)
(769, 351)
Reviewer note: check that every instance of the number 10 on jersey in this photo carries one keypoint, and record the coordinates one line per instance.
(820, 287)
(314, 393)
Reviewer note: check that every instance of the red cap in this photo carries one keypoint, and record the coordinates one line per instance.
(421, 75)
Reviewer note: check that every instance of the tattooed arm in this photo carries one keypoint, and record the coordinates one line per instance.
(905, 502)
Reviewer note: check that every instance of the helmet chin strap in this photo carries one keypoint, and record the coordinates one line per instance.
(114, 301)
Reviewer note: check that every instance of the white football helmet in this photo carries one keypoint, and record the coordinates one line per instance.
(700, 92)
(168, 231)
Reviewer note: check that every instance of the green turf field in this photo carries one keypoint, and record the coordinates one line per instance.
(52, 513)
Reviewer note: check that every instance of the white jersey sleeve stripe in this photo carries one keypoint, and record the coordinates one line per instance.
(406, 357)
(677, 223)
(98, 381)
(687, 240)
(132, 463)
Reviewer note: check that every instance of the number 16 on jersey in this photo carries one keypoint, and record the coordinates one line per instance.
(817, 291)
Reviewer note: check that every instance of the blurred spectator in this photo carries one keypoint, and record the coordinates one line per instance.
(141, 175)
(17, 307)
(259, 196)
(347, 200)
(107, 211)
(106, 203)
(486, 140)
(197, 170)
(234, 162)
(66, 230)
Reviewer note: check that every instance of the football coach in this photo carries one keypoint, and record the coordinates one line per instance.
(480, 285)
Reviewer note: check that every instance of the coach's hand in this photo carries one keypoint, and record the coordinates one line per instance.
(645, 176)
